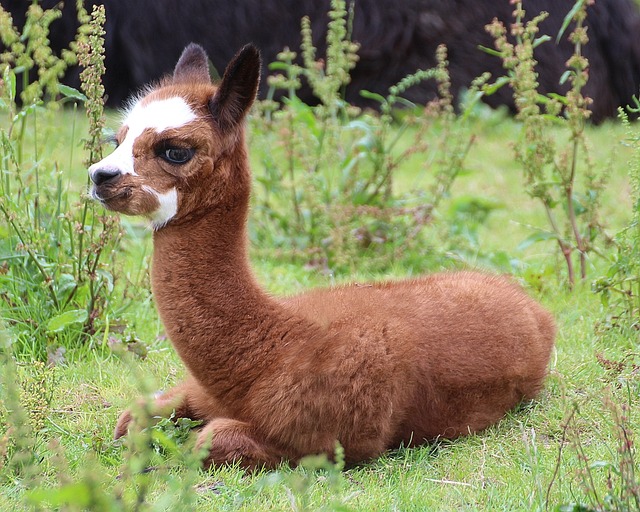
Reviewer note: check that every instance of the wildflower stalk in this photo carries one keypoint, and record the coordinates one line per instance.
(91, 58)
(551, 174)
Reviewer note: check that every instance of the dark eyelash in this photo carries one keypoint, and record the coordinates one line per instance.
(109, 138)
(176, 155)
(166, 144)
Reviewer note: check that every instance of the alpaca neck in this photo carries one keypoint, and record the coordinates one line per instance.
(216, 315)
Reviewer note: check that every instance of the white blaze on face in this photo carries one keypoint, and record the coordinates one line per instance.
(159, 115)
(168, 207)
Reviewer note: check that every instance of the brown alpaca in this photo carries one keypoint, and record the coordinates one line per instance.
(371, 366)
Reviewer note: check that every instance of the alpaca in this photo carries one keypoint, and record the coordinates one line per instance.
(144, 38)
(372, 366)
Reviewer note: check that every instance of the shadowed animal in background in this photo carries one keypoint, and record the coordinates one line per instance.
(144, 38)
(372, 366)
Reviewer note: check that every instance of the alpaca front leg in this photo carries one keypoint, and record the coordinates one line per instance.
(186, 400)
(231, 441)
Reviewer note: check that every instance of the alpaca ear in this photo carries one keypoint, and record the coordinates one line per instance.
(238, 88)
(193, 65)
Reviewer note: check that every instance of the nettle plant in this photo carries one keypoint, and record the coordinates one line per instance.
(54, 245)
(326, 173)
(619, 288)
(611, 484)
(558, 171)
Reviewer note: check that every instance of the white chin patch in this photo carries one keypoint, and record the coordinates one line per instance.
(167, 209)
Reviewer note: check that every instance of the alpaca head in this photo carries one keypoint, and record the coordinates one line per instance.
(178, 147)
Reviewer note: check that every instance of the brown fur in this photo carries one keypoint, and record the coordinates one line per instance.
(372, 366)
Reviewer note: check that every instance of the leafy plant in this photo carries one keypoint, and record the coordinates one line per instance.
(55, 282)
(619, 289)
(326, 172)
(618, 490)
(30, 53)
(17, 438)
(552, 170)
(154, 449)
(312, 471)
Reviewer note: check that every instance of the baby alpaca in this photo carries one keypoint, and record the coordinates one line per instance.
(372, 366)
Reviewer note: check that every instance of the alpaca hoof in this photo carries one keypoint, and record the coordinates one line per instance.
(230, 442)
(122, 425)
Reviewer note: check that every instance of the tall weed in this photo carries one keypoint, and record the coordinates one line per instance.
(56, 247)
(35, 465)
(326, 173)
(19, 425)
(611, 484)
(619, 288)
(554, 170)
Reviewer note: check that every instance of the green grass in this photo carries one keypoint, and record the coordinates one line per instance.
(508, 467)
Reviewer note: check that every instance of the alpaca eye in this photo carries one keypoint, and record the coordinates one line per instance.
(177, 155)
(111, 139)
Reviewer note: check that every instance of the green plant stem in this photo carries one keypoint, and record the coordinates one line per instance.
(21, 135)
(47, 279)
(291, 163)
(58, 211)
(452, 173)
(83, 223)
(556, 469)
(571, 210)
(386, 177)
(36, 199)
(93, 289)
(565, 249)
(318, 160)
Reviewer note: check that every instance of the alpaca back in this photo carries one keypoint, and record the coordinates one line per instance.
(438, 312)
(450, 352)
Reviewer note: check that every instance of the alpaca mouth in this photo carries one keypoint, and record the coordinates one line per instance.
(107, 196)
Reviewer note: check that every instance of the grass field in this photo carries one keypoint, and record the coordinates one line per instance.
(531, 460)
(338, 197)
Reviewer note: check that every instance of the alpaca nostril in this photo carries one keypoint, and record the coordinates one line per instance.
(101, 176)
